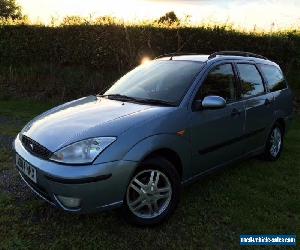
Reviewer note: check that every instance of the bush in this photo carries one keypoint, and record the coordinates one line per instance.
(69, 60)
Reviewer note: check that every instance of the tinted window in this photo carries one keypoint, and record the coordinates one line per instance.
(251, 81)
(161, 80)
(274, 77)
(221, 82)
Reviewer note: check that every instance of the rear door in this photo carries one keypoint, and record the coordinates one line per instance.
(258, 105)
(215, 134)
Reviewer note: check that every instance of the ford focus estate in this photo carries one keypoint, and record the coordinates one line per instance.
(164, 124)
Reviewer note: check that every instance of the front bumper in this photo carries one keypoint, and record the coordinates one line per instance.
(99, 186)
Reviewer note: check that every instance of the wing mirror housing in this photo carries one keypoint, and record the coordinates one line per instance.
(210, 102)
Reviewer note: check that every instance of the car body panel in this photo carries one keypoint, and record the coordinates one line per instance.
(168, 120)
(178, 144)
(282, 104)
(120, 172)
(215, 136)
(86, 118)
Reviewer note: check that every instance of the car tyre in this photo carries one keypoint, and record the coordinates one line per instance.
(153, 193)
(274, 144)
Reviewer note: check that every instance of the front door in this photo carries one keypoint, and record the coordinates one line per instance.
(216, 134)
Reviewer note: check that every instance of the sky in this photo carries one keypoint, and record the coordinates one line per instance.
(246, 14)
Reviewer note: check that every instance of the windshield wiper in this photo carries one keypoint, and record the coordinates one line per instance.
(120, 97)
(157, 102)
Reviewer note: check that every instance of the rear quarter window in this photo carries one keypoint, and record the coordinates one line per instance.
(274, 77)
(251, 81)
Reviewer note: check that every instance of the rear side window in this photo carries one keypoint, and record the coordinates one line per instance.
(220, 81)
(274, 77)
(251, 81)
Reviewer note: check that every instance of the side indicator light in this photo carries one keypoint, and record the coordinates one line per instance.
(181, 133)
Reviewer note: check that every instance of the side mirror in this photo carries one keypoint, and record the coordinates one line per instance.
(210, 102)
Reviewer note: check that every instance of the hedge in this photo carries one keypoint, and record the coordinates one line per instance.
(69, 61)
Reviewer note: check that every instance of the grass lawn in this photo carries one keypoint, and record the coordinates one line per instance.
(251, 197)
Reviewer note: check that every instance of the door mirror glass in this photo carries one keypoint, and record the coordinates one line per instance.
(213, 102)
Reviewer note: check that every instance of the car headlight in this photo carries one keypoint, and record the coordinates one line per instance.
(82, 152)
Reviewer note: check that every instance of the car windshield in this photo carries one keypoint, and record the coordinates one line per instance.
(160, 80)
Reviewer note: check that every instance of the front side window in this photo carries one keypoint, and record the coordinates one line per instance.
(251, 81)
(274, 77)
(220, 81)
(160, 80)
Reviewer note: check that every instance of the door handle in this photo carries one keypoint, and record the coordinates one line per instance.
(235, 112)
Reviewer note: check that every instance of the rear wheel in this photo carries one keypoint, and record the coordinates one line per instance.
(153, 193)
(274, 143)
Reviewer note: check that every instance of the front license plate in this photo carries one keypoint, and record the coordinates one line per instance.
(26, 168)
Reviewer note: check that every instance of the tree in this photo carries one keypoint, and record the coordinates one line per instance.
(74, 20)
(10, 9)
(169, 18)
(108, 20)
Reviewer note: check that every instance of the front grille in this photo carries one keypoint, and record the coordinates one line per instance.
(35, 148)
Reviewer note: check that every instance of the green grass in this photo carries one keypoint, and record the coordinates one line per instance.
(15, 114)
(5, 159)
(251, 197)
(22, 110)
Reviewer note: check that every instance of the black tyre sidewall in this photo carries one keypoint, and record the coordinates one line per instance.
(163, 165)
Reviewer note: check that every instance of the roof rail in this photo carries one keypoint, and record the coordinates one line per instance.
(175, 54)
(236, 53)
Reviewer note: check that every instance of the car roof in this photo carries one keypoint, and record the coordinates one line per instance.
(218, 57)
(197, 58)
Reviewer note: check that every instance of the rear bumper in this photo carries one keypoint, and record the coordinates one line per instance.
(98, 187)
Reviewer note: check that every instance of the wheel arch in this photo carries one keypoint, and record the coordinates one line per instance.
(170, 155)
(173, 148)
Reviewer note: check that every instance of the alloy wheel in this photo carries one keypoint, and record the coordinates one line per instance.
(276, 141)
(149, 194)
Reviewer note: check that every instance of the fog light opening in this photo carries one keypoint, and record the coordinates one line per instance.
(69, 202)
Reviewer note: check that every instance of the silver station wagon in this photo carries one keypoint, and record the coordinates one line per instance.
(164, 124)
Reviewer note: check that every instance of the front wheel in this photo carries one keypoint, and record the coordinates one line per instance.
(153, 193)
(274, 144)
